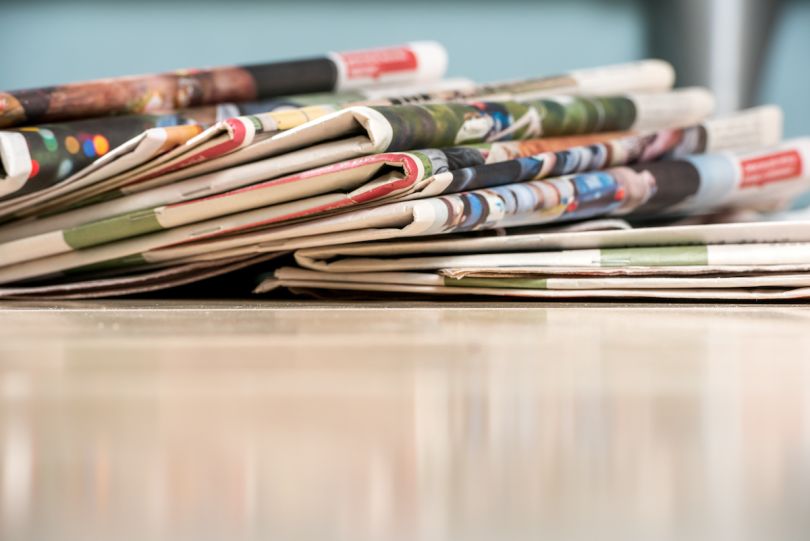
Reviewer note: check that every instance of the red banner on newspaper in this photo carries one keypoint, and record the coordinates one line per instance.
(374, 63)
(771, 168)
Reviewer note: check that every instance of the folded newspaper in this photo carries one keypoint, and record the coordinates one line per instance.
(399, 182)
(408, 63)
(233, 126)
(719, 261)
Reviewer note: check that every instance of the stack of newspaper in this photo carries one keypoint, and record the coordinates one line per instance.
(367, 171)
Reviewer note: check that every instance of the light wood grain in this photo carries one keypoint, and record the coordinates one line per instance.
(287, 420)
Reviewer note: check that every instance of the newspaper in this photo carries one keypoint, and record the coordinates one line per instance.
(413, 62)
(674, 186)
(230, 133)
(35, 158)
(751, 288)
(49, 154)
(666, 186)
(360, 131)
(687, 262)
(372, 175)
(383, 178)
(551, 250)
(233, 132)
(363, 130)
(238, 132)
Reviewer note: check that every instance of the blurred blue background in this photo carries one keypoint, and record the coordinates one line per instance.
(46, 42)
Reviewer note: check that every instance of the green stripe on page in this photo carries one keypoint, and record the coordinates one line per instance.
(120, 227)
(426, 163)
(503, 283)
(656, 256)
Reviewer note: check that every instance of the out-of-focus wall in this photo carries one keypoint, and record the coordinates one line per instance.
(56, 41)
(49, 41)
(786, 74)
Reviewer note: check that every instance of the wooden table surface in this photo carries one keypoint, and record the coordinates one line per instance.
(283, 420)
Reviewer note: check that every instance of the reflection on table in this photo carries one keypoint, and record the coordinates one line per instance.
(413, 422)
